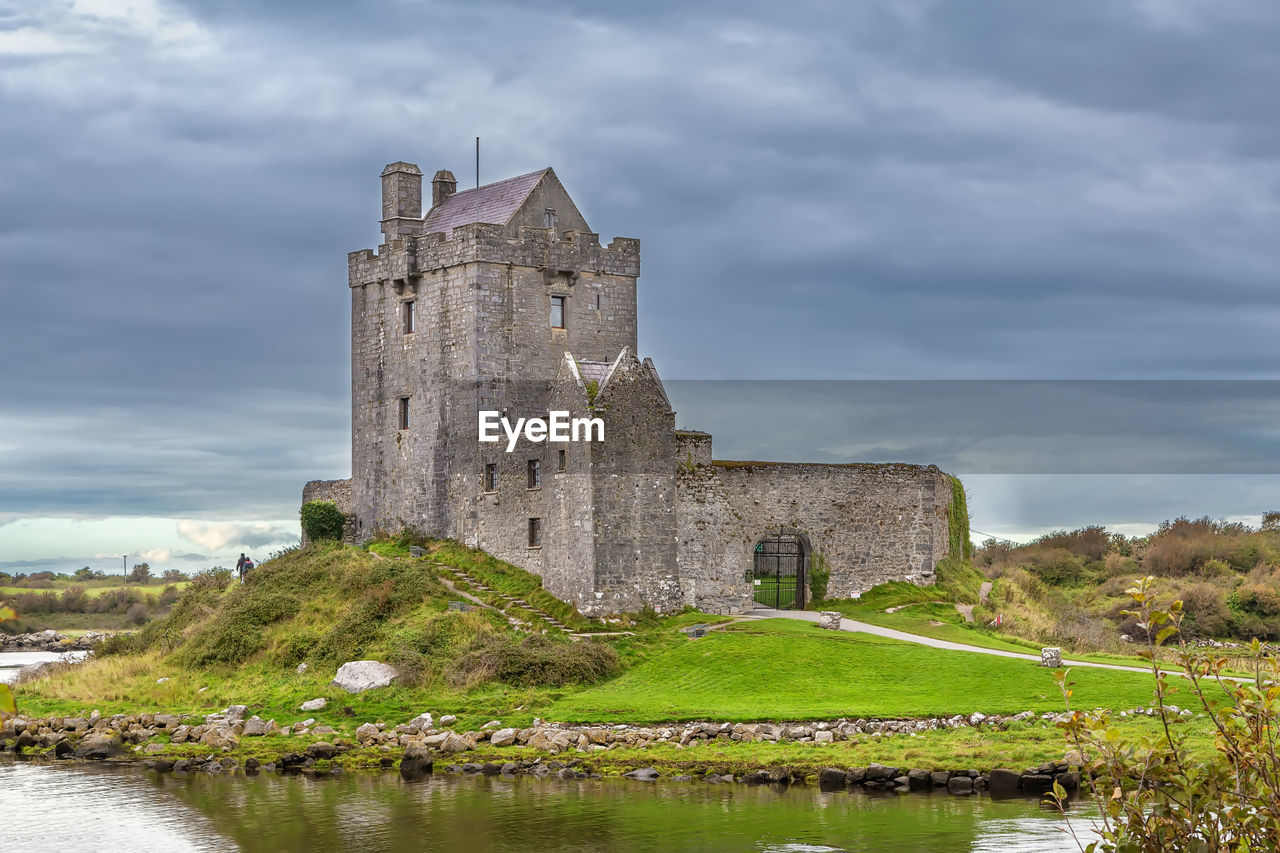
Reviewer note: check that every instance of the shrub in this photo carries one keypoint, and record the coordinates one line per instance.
(534, 661)
(137, 613)
(1179, 802)
(322, 520)
(236, 631)
(141, 573)
(1206, 613)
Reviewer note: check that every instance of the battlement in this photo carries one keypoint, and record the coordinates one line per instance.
(569, 252)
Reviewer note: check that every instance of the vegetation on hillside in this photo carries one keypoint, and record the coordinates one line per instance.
(1159, 792)
(328, 603)
(1068, 588)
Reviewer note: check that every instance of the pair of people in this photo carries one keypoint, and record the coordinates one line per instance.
(243, 566)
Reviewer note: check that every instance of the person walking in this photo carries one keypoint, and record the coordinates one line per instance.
(240, 567)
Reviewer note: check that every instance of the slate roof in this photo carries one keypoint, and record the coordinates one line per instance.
(494, 203)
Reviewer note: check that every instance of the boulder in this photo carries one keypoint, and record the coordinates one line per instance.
(322, 749)
(358, 676)
(98, 747)
(416, 763)
(302, 667)
(1004, 781)
(823, 737)
(960, 785)
(831, 779)
(644, 774)
(423, 722)
(503, 737)
(830, 620)
(919, 779)
(255, 726)
(448, 720)
(313, 704)
(1051, 656)
(235, 713)
(366, 733)
(455, 743)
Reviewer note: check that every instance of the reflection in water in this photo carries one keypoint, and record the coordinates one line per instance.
(96, 808)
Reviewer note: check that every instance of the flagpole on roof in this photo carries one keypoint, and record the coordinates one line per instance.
(477, 179)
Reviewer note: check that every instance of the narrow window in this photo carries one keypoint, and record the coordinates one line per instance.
(560, 460)
(535, 474)
(557, 312)
(407, 315)
(491, 477)
(404, 413)
(550, 215)
(535, 533)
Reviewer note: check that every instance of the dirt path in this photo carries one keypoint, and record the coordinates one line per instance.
(966, 610)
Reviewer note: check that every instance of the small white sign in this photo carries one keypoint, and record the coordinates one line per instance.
(756, 582)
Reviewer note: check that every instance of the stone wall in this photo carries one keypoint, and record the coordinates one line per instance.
(339, 492)
(633, 475)
(871, 523)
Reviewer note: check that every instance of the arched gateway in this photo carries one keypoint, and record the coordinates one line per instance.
(779, 569)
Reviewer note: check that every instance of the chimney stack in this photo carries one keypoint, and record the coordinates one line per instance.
(443, 185)
(401, 200)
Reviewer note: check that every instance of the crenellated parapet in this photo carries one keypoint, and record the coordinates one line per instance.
(556, 252)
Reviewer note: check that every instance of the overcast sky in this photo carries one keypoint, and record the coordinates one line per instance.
(907, 189)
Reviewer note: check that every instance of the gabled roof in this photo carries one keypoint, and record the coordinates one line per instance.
(494, 203)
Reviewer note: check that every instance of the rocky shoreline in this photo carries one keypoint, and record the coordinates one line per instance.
(563, 751)
(52, 641)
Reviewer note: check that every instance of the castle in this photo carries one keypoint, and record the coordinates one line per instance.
(501, 298)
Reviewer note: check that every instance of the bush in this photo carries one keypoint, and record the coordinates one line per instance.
(137, 613)
(322, 520)
(535, 661)
(140, 573)
(1180, 802)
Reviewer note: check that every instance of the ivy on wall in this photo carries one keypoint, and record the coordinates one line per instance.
(958, 544)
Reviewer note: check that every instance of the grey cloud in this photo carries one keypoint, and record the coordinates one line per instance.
(905, 189)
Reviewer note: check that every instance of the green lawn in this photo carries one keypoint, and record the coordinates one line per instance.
(785, 670)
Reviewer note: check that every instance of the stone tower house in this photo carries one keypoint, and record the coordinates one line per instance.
(502, 298)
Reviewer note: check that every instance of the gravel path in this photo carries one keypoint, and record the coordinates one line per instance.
(865, 628)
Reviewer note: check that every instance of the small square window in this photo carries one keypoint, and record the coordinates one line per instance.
(535, 533)
(491, 477)
(535, 473)
(557, 312)
(404, 413)
(561, 459)
(406, 315)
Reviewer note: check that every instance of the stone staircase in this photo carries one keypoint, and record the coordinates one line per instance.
(508, 601)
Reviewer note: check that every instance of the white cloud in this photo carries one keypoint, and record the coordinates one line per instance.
(216, 535)
(156, 555)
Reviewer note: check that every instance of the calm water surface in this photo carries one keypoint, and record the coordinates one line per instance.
(79, 808)
(11, 662)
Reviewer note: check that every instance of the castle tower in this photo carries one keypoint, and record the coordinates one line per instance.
(472, 306)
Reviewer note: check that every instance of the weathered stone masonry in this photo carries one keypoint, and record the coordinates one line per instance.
(452, 314)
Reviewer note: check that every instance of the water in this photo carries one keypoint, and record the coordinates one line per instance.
(11, 662)
(80, 808)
